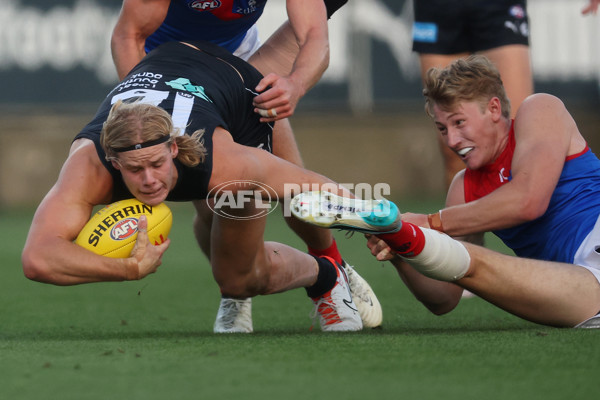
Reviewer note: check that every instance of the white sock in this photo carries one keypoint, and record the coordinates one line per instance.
(442, 258)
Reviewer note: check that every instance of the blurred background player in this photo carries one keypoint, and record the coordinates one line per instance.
(292, 60)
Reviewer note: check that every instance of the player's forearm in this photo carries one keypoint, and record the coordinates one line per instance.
(64, 263)
(312, 61)
(126, 53)
(502, 209)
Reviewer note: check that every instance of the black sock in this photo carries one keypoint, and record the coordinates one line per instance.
(325, 279)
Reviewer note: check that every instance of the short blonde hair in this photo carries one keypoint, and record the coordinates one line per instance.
(131, 123)
(472, 79)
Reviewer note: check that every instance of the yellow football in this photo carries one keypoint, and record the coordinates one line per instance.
(112, 231)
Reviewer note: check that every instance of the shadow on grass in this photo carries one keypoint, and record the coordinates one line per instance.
(75, 334)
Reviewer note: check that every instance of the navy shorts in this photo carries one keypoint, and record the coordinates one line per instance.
(468, 26)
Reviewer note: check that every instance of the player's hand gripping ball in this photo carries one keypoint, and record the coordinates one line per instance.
(112, 231)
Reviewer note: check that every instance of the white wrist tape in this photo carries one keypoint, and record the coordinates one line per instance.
(442, 258)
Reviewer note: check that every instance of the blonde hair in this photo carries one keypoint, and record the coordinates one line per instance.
(131, 123)
(472, 79)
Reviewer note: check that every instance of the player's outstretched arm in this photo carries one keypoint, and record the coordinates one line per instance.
(137, 20)
(308, 20)
(49, 254)
(253, 164)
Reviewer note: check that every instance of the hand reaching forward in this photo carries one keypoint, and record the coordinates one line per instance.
(278, 97)
(379, 248)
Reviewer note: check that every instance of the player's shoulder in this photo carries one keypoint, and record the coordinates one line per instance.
(540, 107)
(540, 102)
(85, 161)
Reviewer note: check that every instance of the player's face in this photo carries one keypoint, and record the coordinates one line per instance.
(469, 132)
(149, 173)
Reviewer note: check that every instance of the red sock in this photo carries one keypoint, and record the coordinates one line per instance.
(332, 251)
(408, 241)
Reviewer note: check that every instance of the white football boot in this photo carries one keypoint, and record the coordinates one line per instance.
(336, 309)
(328, 210)
(366, 302)
(590, 323)
(234, 316)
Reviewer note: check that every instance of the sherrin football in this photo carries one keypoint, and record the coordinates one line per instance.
(112, 231)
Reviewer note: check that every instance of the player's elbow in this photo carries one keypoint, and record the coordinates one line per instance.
(34, 266)
(532, 208)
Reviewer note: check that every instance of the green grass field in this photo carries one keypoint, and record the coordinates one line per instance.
(153, 339)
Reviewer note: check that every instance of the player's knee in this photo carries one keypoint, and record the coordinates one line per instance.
(441, 308)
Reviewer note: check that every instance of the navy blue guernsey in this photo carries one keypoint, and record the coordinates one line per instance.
(223, 22)
(201, 89)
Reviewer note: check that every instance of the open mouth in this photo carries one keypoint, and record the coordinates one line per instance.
(464, 151)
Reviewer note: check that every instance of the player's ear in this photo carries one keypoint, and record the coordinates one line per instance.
(115, 163)
(495, 108)
(174, 149)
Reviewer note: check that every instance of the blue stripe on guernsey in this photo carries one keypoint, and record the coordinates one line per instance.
(222, 22)
(570, 217)
(426, 32)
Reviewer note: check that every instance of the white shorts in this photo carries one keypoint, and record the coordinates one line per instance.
(249, 45)
(588, 253)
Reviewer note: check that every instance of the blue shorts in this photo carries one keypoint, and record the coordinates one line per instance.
(468, 26)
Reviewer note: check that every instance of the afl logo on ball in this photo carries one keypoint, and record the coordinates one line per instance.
(124, 229)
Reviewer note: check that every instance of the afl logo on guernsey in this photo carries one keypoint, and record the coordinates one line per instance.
(204, 5)
(124, 229)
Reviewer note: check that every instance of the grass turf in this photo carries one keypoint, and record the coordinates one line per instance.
(153, 339)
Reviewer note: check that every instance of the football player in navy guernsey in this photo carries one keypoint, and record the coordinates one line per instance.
(292, 60)
(179, 125)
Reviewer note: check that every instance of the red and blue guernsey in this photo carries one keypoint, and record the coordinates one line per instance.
(571, 215)
(222, 22)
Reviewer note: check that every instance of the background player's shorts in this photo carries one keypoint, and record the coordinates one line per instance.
(249, 45)
(468, 26)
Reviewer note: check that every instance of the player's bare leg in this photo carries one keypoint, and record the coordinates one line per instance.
(258, 268)
(544, 292)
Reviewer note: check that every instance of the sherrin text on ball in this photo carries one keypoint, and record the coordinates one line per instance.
(112, 231)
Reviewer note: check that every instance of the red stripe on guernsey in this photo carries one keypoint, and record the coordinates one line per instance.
(572, 156)
(225, 10)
